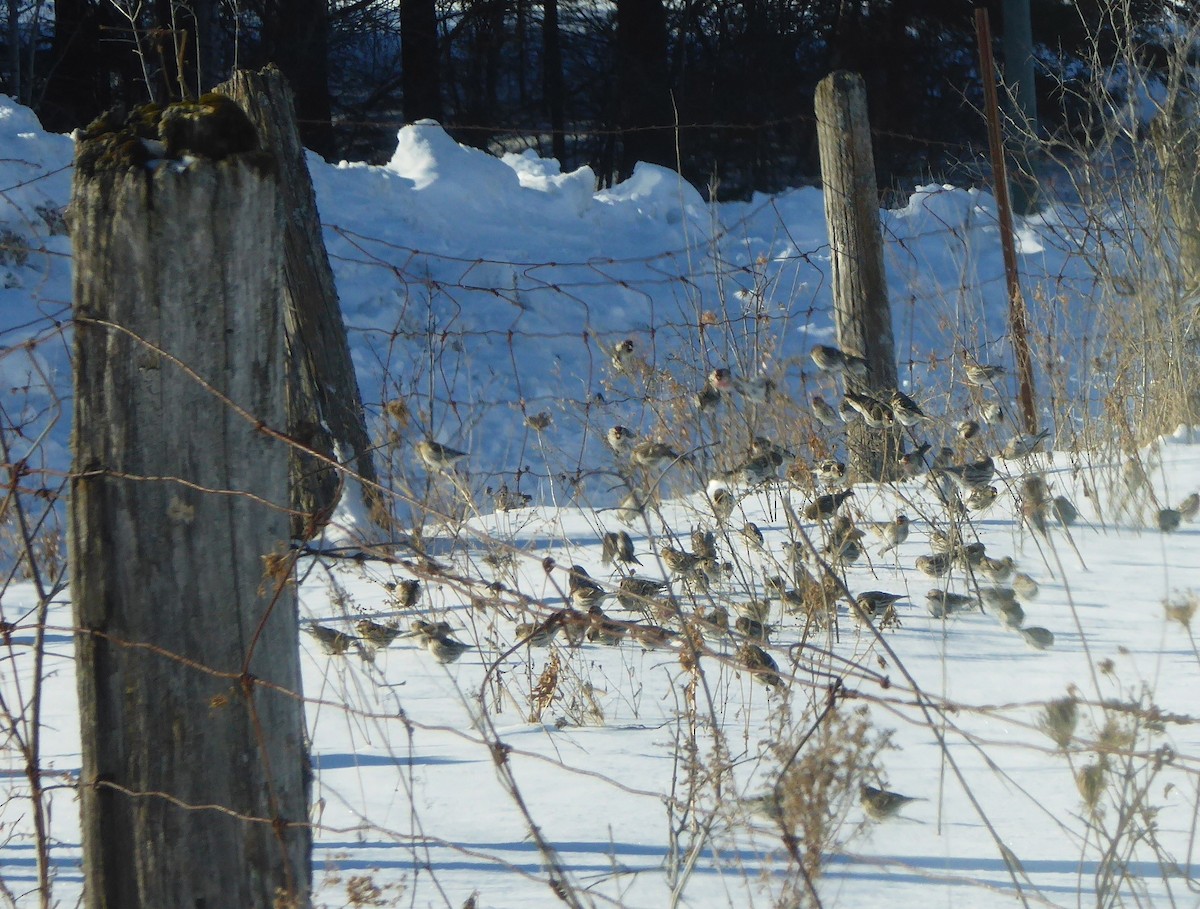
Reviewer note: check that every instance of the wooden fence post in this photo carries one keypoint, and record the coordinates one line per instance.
(324, 404)
(195, 778)
(861, 312)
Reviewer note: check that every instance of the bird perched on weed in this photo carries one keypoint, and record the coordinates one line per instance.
(981, 498)
(617, 546)
(655, 456)
(874, 412)
(709, 396)
(753, 536)
(438, 457)
(824, 412)
(992, 413)
(905, 409)
(620, 440)
(377, 634)
(444, 648)
(970, 476)
(406, 593)
(828, 358)
(912, 463)
(332, 641)
(1064, 511)
(623, 356)
(1023, 445)
(982, 374)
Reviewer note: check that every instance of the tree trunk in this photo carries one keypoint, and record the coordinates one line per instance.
(195, 778)
(552, 80)
(296, 39)
(645, 113)
(422, 84)
(324, 405)
(861, 312)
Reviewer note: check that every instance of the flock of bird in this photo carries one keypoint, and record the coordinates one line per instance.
(691, 601)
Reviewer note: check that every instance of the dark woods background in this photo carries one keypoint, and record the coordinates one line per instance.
(720, 88)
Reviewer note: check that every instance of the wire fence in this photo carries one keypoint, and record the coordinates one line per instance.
(731, 733)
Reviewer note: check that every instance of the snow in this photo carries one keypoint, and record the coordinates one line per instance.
(482, 290)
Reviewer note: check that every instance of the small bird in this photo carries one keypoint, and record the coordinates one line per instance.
(1169, 520)
(540, 634)
(620, 440)
(631, 509)
(421, 628)
(1037, 637)
(1189, 507)
(760, 663)
(617, 546)
(1024, 585)
(753, 628)
(723, 502)
(757, 609)
(997, 597)
(972, 554)
(881, 803)
(376, 634)
(981, 498)
(654, 455)
(622, 356)
(1064, 511)
(438, 457)
(830, 471)
(847, 412)
(998, 571)
(971, 476)
(991, 413)
(935, 566)
(406, 593)
(506, 500)
(444, 648)
(603, 630)
(857, 366)
(892, 533)
(912, 463)
(828, 358)
(1023, 445)
(753, 536)
(704, 543)
(905, 409)
(582, 590)
(824, 413)
(334, 642)
(980, 374)
(633, 593)
(874, 412)
(872, 603)
(757, 390)
(1010, 614)
(709, 396)
(679, 562)
(826, 506)
(940, 603)
(967, 430)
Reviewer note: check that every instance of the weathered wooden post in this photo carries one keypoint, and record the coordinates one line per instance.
(324, 405)
(861, 312)
(195, 778)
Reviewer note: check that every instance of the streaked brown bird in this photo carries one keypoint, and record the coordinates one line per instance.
(760, 663)
(332, 641)
(882, 803)
(753, 535)
(982, 374)
(634, 592)
(935, 566)
(620, 440)
(824, 413)
(617, 546)
(892, 533)
(874, 412)
(377, 634)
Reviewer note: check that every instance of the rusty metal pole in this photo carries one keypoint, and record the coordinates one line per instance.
(1018, 317)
